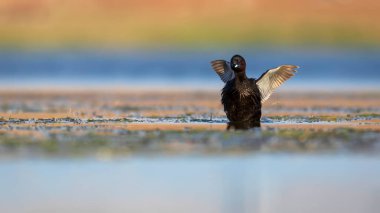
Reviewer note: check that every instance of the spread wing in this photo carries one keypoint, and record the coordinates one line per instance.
(273, 78)
(223, 69)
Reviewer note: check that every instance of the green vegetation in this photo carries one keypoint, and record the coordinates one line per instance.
(192, 142)
(370, 115)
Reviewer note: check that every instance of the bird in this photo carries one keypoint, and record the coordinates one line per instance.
(242, 97)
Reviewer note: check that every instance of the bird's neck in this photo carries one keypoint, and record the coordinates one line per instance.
(240, 76)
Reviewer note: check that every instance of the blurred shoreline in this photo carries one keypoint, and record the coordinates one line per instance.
(122, 123)
(149, 108)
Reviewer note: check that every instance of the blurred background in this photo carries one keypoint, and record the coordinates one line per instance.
(195, 24)
(131, 46)
(170, 43)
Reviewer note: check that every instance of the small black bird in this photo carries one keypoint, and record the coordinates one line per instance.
(242, 96)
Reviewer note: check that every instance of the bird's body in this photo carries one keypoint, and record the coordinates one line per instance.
(242, 102)
(242, 97)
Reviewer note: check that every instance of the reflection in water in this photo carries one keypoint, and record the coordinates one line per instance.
(240, 191)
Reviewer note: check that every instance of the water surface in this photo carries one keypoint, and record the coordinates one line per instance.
(320, 69)
(249, 183)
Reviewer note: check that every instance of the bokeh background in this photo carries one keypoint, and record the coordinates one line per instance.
(167, 43)
(195, 24)
(85, 85)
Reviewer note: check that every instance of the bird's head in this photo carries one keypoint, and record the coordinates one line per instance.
(238, 63)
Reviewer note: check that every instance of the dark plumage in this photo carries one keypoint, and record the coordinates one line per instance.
(242, 96)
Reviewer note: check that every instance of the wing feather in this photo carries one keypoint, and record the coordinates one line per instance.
(223, 69)
(273, 78)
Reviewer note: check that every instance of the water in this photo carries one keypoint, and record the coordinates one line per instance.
(252, 183)
(256, 182)
(320, 69)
